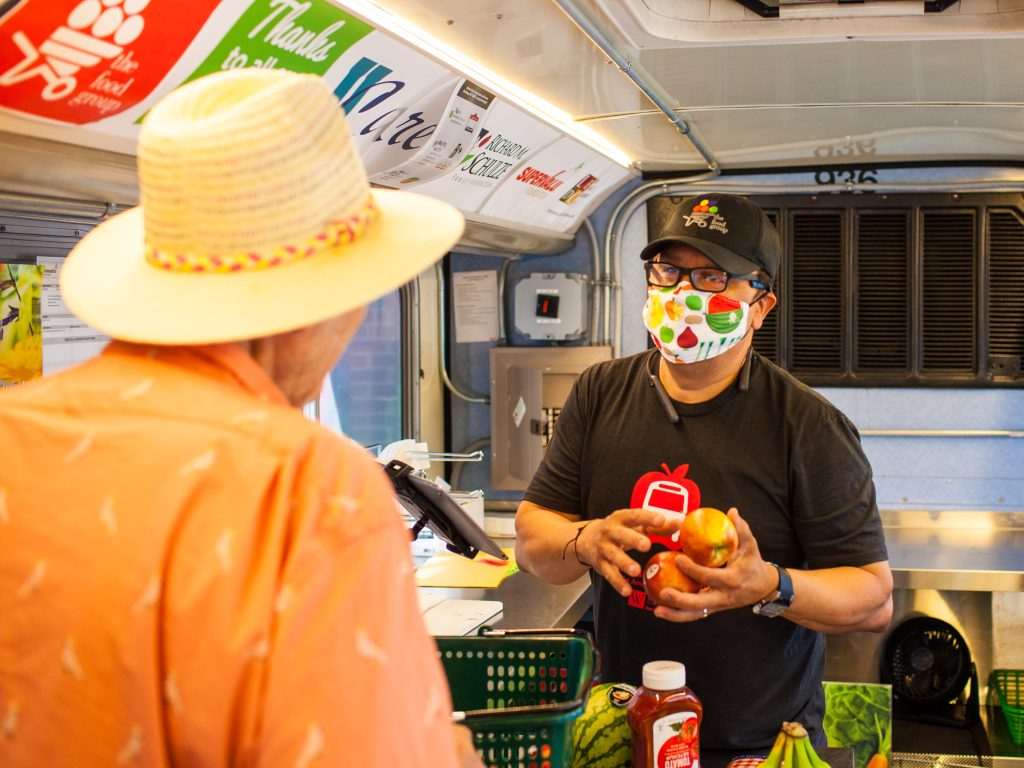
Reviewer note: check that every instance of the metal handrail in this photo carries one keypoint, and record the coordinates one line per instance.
(653, 90)
(409, 298)
(446, 456)
(942, 432)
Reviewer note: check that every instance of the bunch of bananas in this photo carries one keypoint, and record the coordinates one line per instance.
(793, 749)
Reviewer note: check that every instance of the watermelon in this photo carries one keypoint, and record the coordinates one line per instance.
(601, 737)
(724, 314)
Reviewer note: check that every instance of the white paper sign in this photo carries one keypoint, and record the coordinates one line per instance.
(519, 412)
(67, 340)
(476, 306)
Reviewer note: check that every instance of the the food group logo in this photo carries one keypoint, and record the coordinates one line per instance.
(706, 216)
(78, 61)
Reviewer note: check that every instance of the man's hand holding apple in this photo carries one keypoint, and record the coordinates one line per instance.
(744, 580)
(604, 544)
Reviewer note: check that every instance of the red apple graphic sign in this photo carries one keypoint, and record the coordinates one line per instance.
(668, 491)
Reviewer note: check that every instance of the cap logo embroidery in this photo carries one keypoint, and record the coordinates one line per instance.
(705, 215)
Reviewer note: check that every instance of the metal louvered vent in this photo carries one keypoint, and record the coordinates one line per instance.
(948, 303)
(816, 298)
(896, 290)
(766, 339)
(882, 300)
(1006, 289)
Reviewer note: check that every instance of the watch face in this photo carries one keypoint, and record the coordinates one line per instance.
(782, 599)
(771, 610)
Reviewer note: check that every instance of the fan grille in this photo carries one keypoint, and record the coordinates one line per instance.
(927, 661)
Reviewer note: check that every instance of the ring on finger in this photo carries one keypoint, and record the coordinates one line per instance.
(705, 613)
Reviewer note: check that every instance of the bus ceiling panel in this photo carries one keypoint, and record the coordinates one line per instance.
(660, 23)
(866, 78)
(840, 72)
(531, 43)
(865, 135)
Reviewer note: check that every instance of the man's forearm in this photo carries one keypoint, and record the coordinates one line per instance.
(839, 600)
(542, 536)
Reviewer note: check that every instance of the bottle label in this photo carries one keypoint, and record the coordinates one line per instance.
(675, 741)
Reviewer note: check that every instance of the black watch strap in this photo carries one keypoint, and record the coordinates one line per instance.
(776, 604)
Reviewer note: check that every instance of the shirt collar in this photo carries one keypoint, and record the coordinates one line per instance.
(227, 363)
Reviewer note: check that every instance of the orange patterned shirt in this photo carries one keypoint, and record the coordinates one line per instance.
(193, 574)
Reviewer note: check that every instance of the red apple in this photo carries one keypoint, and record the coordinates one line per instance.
(708, 536)
(661, 572)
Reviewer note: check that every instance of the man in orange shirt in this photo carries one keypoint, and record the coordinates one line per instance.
(191, 572)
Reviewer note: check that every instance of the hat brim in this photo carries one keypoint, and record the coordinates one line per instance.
(731, 262)
(107, 282)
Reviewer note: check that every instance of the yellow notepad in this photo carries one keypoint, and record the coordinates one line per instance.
(446, 569)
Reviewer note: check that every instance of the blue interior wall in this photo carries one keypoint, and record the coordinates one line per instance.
(469, 365)
(932, 473)
(971, 473)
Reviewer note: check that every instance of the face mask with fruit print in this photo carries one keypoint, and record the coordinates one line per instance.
(689, 326)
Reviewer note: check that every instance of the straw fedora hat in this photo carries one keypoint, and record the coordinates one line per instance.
(256, 218)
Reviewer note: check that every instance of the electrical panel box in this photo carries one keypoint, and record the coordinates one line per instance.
(528, 387)
(552, 305)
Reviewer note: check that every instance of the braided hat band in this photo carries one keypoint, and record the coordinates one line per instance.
(335, 233)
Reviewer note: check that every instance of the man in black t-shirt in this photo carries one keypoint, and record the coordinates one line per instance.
(704, 421)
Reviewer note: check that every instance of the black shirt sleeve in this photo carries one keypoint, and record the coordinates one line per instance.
(835, 511)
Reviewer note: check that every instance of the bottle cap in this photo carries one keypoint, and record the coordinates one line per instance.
(664, 675)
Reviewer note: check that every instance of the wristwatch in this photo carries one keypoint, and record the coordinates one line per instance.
(776, 604)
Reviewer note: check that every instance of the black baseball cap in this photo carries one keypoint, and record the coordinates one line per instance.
(730, 230)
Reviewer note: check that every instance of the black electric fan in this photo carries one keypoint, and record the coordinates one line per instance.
(928, 664)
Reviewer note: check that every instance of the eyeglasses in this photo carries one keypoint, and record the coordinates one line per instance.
(663, 275)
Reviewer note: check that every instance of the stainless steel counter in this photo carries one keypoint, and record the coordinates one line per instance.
(950, 550)
(529, 603)
(956, 550)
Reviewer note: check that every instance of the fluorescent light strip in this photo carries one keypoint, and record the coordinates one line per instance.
(465, 66)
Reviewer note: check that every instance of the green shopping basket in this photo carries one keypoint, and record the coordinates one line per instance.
(519, 692)
(1007, 686)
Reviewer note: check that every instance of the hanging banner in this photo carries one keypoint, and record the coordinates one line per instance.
(393, 97)
(507, 139)
(285, 34)
(557, 188)
(416, 124)
(79, 61)
(391, 147)
(462, 116)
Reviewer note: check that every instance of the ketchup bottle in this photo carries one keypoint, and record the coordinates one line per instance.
(665, 719)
